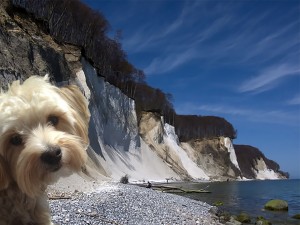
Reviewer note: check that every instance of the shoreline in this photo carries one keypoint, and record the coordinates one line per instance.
(109, 202)
(175, 182)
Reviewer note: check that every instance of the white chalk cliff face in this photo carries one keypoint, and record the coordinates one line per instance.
(263, 172)
(114, 132)
(232, 155)
(150, 150)
(164, 142)
(214, 157)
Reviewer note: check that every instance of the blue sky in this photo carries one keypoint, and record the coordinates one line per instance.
(235, 59)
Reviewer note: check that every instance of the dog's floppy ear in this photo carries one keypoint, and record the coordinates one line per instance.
(79, 104)
(4, 177)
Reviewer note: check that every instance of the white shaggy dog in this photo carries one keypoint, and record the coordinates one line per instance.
(43, 136)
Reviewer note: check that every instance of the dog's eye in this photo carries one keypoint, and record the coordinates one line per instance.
(16, 140)
(53, 120)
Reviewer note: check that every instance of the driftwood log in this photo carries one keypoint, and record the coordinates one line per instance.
(171, 189)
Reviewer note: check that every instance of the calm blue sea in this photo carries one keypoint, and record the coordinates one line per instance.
(251, 196)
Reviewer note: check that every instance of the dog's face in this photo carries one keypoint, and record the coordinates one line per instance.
(43, 133)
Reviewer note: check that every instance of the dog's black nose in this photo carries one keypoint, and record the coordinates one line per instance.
(52, 155)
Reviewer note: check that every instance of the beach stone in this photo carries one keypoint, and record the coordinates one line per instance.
(276, 205)
(243, 218)
(297, 216)
(262, 221)
(224, 216)
(214, 210)
(218, 203)
(232, 221)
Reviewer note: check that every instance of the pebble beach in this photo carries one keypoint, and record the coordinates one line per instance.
(115, 203)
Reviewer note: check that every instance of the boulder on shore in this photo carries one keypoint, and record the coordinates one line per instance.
(277, 205)
(297, 216)
(262, 221)
(243, 218)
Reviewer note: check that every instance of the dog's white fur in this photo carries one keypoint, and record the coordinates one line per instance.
(43, 136)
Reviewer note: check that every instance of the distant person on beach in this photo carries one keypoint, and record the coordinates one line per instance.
(149, 185)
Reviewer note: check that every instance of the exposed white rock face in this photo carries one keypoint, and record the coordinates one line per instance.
(263, 172)
(254, 165)
(82, 81)
(172, 143)
(152, 131)
(228, 144)
(114, 132)
(198, 160)
(212, 156)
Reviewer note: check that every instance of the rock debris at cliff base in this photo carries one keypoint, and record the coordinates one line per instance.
(128, 204)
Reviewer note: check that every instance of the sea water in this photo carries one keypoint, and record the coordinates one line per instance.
(251, 196)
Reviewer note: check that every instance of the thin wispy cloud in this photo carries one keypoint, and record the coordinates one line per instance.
(265, 47)
(295, 100)
(163, 65)
(252, 44)
(245, 114)
(269, 78)
(177, 23)
(244, 39)
(152, 35)
(176, 54)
